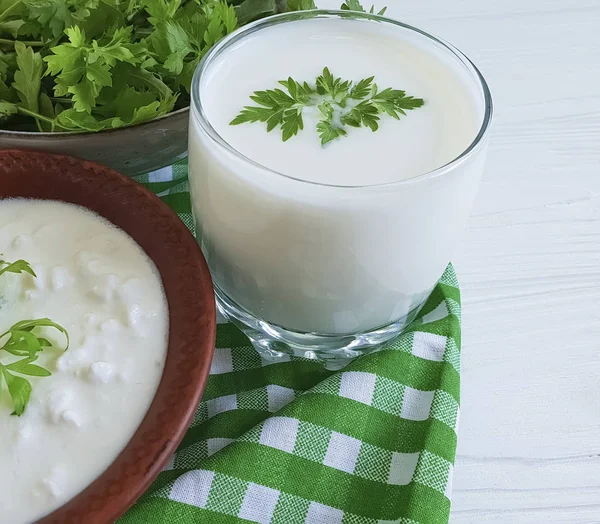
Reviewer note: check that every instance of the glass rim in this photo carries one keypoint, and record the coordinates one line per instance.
(197, 110)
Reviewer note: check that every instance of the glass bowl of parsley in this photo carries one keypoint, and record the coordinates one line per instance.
(109, 80)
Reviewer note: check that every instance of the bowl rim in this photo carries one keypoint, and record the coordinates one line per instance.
(190, 349)
(67, 135)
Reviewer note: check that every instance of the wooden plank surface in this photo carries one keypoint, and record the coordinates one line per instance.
(529, 265)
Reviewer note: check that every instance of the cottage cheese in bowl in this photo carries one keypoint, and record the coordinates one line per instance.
(96, 282)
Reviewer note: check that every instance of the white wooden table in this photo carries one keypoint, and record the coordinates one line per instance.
(529, 265)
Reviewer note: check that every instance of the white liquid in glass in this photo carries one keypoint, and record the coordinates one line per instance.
(323, 259)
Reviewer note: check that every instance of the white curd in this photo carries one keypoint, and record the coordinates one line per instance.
(97, 282)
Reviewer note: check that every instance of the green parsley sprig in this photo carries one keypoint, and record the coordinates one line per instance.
(19, 266)
(340, 102)
(22, 340)
(355, 5)
(348, 5)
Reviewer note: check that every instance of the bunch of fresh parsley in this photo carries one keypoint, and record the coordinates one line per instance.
(89, 65)
(21, 341)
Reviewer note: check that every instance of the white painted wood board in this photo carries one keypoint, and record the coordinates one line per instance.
(529, 264)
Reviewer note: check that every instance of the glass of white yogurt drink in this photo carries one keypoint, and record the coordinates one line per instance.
(326, 244)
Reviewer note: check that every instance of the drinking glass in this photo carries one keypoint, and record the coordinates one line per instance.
(317, 270)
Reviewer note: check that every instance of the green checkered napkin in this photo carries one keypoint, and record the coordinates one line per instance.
(290, 442)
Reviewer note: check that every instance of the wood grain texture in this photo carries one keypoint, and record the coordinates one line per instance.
(529, 265)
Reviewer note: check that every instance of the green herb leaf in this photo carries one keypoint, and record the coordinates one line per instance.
(25, 367)
(250, 10)
(291, 123)
(83, 68)
(29, 325)
(222, 20)
(334, 87)
(172, 44)
(23, 342)
(327, 132)
(46, 106)
(19, 340)
(361, 89)
(256, 114)
(352, 5)
(351, 104)
(12, 27)
(161, 10)
(28, 76)
(10, 9)
(179, 44)
(129, 75)
(301, 5)
(277, 108)
(54, 16)
(8, 62)
(355, 5)
(19, 389)
(27, 340)
(326, 110)
(364, 114)
(7, 109)
(72, 120)
(20, 266)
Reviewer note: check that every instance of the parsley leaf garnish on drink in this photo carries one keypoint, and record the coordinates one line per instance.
(342, 104)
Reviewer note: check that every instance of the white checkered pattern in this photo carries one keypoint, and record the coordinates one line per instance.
(320, 514)
(416, 404)
(279, 397)
(193, 487)
(358, 386)
(279, 433)
(429, 346)
(259, 504)
(342, 452)
(221, 404)
(402, 468)
(222, 361)
(213, 445)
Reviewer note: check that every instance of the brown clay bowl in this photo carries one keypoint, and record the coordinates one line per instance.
(189, 292)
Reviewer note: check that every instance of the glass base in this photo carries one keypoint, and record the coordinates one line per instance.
(333, 351)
